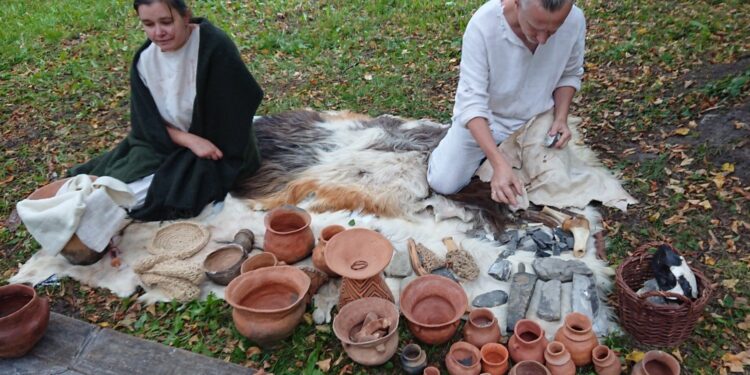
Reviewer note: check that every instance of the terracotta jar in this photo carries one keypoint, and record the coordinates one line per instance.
(318, 256)
(578, 337)
(431, 370)
(656, 362)
(350, 320)
(606, 361)
(268, 302)
(528, 342)
(494, 358)
(259, 261)
(432, 306)
(463, 359)
(413, 359)
(481, 328)
(23, 319)
(558, 359)
(529, 368)
(288, 234)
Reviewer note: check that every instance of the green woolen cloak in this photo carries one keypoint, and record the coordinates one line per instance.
(226, 99)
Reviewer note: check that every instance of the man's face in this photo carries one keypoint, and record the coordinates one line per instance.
(539, 24)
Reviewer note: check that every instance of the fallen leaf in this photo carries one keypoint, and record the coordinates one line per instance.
(730, 283)
(727, 167)
(253, 350)
(151, 309)
(682, 131)
(368, 77)
(745, 326)
(324, 365)
(709, 261)
(705, 204)
(104, 324)
(736, 362)
(677, 354)
(7, 180)
(719, 180)
(635, 356)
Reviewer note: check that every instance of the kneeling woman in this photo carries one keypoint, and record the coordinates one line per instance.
(192, 106)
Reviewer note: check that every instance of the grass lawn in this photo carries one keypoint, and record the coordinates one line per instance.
(666, 89)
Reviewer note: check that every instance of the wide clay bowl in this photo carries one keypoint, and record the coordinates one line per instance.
(358, 253)
(23, 319)
(432, 306)
(224, 263)
(268, 302)
(350, 319)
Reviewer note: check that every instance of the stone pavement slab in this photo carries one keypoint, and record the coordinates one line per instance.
(72, 347)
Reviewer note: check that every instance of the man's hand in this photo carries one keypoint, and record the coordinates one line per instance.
(560, 126)
(505, 185)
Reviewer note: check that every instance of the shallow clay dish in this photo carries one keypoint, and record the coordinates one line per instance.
(224, 264)
(358, 253)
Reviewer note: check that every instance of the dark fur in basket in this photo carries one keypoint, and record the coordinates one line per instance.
(652, 324)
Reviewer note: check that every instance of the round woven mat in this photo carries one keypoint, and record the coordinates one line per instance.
(180, 240)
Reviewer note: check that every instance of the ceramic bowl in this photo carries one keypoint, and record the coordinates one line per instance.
(224, 263)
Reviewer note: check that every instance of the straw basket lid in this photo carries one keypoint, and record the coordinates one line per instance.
(180, 240)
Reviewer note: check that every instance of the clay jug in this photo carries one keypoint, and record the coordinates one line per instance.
(268, 303)
(578, 337)
(349, 321)
(463, 359)
(481, 328)
(606, 361)
(494, 358)
(288, 234)
(431, 370)
(318, 256)
(413, 359)
(23, 319)
(558, 359)
(433, 306)
(258, 261)
(529, 368)
(528, 342)
(656, 362)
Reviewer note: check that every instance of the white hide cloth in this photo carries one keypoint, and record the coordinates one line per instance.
(92, 210)
(437, 218)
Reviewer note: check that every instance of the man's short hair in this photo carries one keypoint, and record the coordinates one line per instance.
(550, 5)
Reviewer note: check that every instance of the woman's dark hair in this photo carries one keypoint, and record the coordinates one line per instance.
(178, 5)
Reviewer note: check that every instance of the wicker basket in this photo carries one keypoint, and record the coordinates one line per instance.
(654, 324)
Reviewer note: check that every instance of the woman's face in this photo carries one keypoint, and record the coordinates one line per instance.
(164, 26)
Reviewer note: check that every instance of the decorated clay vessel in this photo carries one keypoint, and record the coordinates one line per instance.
(318, 256)
(606, 361)
(268, 303)
(656, 362)
(481, 328)
(432, 306)
(494, 358)
(288, 234)
(413, 359)
(528, 342)
(578, 337)
(529, 368)
(463, 359)
(374, 350)
(558, 359)
(23, 319)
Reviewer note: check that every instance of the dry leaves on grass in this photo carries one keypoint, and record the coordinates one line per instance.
(735, 362)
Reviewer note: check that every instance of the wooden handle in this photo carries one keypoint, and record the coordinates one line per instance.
(450, 244)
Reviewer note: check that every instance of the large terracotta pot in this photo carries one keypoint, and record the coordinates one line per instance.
(656, 362)
(268, 302)
(528, 342)
(481, 328)
(578, 337)
(494, 358)
(463, 359)
(318, 256)
(23, 319)
(413, 359)
(529, 368)
(432, 306)
(288, 234)
(558, 359)
(350, 319)
(606, 361)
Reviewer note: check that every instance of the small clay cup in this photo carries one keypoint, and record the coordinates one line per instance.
(495, 358)
(23, 319)
(259, 261)
(463, 359)
(528, 342)
(224, 263)
(431, 370)
(606, 361)
(318, 256)
(657, 362)
(413, 359)
(529, 368)
(481, 328)
(350, 319)
(558, 359)
(432, 306)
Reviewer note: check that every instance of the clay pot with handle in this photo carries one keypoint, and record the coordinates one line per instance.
(23, 319)
(481, 328)
(578, 337)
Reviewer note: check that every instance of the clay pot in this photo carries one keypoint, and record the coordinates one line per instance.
(463, 359)
(431, 370)
(224, 263)
(558, 359)
(268, 302)
(432, 306)
(481, 328)
(23, 319)
(288, 234)
(528, 342)
(74, 251)
(578, 337)
(656, 362)
(350, 319)
(259, 261)
(413, 359)
(606, 361)
(318, 256)
(529, 368)
(494, 358)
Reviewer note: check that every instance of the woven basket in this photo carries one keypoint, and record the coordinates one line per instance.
(653, 324)
(179, 240)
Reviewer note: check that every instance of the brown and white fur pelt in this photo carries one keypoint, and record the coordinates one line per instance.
(343, 161)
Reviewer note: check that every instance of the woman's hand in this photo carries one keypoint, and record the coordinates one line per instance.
(505, 184)
(201, 147)
(560, 126)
